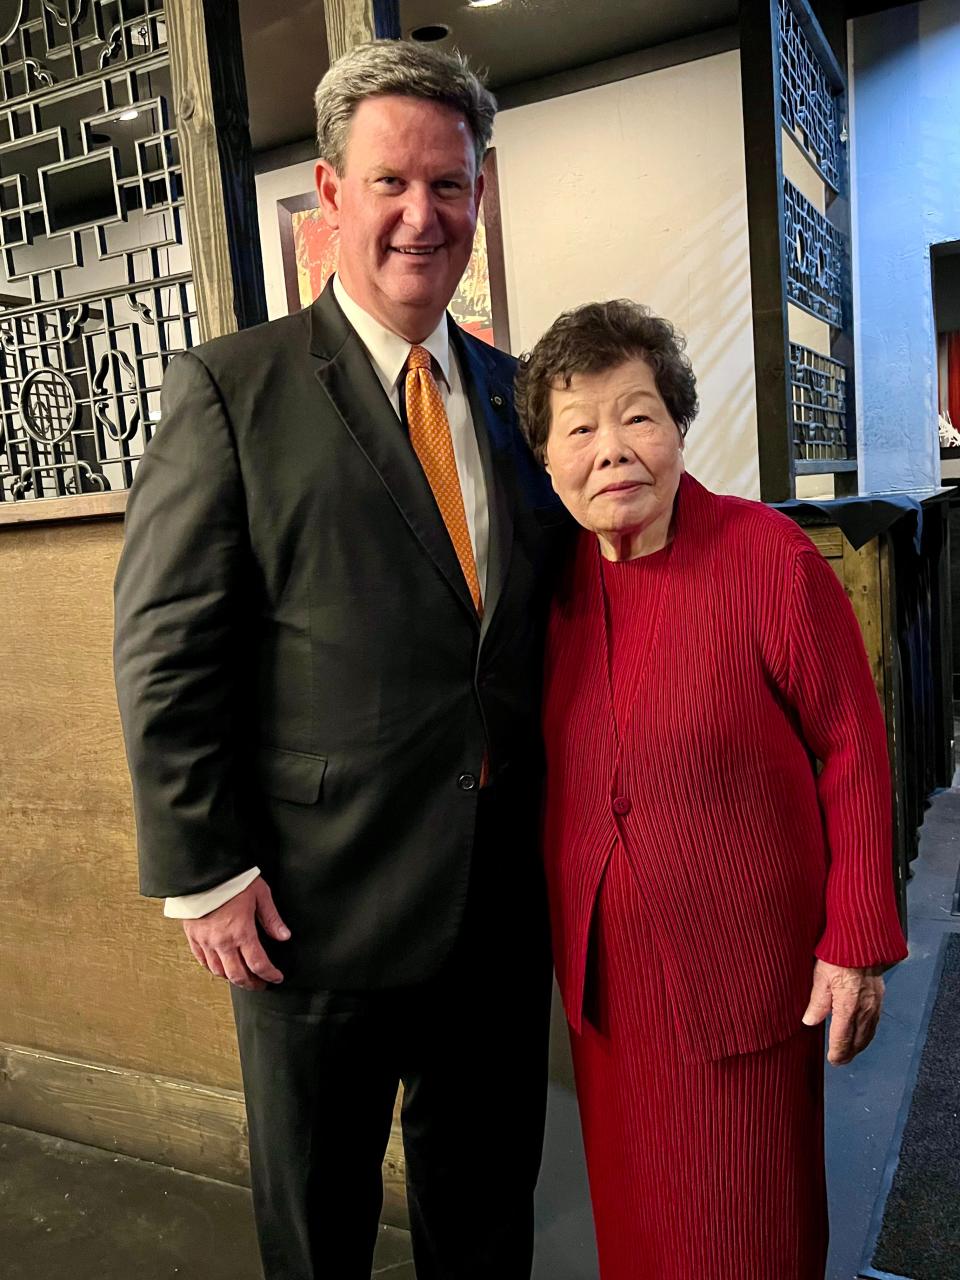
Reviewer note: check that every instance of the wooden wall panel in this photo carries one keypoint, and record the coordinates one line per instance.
(110, 1032)
(89, 969)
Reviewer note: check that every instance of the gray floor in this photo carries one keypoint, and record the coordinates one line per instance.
(864, 1099)
(68, 1211)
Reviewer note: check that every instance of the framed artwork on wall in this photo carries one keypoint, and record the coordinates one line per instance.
(309, 249)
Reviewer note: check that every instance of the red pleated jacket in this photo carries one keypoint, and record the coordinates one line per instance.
(750, 862)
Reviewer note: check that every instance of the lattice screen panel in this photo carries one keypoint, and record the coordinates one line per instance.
(816, 257)
(808, 107)
(97, 290)
(819, 399)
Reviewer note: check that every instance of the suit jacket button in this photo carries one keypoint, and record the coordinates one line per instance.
(497, 401)
(621, 805)
(467, 782)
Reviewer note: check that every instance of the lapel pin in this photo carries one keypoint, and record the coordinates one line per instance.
(497, 401)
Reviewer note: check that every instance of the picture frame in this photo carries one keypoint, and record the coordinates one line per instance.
(308, 250)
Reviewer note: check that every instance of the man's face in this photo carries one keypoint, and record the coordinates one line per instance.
(406, 209)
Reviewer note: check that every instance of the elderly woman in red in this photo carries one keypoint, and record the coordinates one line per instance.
(714, 893)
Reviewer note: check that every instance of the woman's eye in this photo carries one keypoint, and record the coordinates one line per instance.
(639, 417)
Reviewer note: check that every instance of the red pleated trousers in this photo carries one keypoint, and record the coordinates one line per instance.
(698, 1170)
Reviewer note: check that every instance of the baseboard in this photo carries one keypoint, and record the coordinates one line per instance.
(171, 1122)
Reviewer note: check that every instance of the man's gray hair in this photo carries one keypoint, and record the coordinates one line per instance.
(404, 69)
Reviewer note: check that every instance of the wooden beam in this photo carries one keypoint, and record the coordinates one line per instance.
(88, 506)
(176, 1123)
(763, 148)
(353, 22)
(206, 67)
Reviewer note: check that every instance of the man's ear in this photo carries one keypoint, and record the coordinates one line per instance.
(478, 191)
(328, 192)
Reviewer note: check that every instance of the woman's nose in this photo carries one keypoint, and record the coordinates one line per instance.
(612, 449)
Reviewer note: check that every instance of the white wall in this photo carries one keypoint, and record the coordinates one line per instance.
(638, 189)
(274, 185)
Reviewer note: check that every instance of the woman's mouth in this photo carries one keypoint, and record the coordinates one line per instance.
(623, 487)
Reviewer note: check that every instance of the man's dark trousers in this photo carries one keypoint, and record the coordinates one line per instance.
(469, 1045)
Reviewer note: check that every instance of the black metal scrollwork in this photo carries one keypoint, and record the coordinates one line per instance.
(807, 103)
(816, 256)
(97, 290)
(819, 398)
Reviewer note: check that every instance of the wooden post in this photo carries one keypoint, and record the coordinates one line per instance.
(206, 66)
(353, 22)
(763, 146)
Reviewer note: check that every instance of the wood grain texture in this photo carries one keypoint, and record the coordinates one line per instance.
(152, 1117)
(171, 1122)
(868, 580)
(349, 22)
(228, 89)
(861, 581)
(129, 1044)
(90, 969)
(89, 506)
(828, 540)
(206, 214)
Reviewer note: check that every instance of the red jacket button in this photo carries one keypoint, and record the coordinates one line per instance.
(621, 805)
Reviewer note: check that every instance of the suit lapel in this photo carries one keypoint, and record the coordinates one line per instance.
(356, 393)
(486, 396)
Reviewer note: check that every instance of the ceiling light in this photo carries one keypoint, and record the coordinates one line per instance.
(482, 4)
(131, 114)
(432, 31)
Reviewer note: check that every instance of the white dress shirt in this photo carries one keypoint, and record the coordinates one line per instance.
(388, 354)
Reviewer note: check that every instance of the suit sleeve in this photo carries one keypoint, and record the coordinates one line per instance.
(178, 609)
(831, 689)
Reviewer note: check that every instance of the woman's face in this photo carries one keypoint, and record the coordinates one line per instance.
(615, 455)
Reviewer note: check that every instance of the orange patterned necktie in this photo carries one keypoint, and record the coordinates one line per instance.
(430, 437)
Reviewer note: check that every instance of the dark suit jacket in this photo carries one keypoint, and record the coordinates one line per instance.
(303, 682)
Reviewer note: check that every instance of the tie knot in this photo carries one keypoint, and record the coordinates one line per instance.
(419, 358)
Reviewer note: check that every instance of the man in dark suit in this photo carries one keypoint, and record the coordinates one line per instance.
(329, 613)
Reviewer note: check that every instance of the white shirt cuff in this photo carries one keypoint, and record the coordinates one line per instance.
(191, 906)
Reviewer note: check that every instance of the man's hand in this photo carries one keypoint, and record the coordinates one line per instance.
(226, 941)
(854, 997)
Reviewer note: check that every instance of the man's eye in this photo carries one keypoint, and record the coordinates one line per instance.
(388, 181)
(576, 431)
(639, 417)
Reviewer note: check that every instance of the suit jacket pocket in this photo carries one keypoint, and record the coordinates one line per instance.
(291, 775)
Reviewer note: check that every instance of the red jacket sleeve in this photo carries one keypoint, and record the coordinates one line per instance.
(830, 686)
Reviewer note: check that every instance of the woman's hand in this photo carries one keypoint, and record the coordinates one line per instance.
(854, 997)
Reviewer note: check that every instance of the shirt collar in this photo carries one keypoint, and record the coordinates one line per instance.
(387, 350)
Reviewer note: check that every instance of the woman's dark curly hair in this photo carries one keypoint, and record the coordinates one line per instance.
(592, 339)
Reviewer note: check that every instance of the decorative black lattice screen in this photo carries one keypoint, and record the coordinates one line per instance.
(808, 106)
(816, 257)
(819, 400)
(97, 293)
